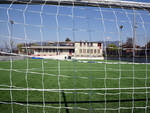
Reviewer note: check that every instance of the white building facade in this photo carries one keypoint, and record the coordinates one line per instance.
(73, 49)
(88, 49)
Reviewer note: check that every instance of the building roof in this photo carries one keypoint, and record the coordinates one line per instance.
(88, 42)
(49, 47)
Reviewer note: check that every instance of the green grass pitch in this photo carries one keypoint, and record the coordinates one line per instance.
(74, 75)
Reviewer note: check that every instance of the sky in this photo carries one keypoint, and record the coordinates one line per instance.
(139, 0)
(36, 23)
(133, 0)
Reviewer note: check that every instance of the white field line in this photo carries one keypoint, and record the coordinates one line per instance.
(80, 89)
(78, 70)
(84, 93)
(31, 72)
(71, 108)
(47, 106)
(67, 76)
(101, 62)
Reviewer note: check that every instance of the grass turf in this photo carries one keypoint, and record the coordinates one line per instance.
(73, 75)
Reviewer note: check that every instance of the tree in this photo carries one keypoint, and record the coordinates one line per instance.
(34, 44)
(68, 40)
(10, 45)
(148, 44)
(19, 47)
(112, 46)
(129, 43)
(121, 27)
(112, 50)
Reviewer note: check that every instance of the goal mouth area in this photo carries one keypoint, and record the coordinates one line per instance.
(92, 3)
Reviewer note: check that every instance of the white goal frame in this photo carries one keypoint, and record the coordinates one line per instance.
(94, 3)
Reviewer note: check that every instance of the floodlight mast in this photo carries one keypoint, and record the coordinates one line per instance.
(11, 34)
(93, 3)
(134, 33)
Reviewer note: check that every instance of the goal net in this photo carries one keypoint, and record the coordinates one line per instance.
(74, 56)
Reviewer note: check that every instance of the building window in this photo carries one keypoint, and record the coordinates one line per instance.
(94, 50)
(80, 44)
(80, 50)
(39, 50)
(88, 44)
(84, 43)
(91, 44)
(84, 50)
(98, 51)
(88, 50)
(91, 51)
(99, 44)
(61, 50)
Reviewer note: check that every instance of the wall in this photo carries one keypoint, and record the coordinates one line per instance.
(88, 50)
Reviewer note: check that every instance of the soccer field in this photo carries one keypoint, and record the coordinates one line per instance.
(84, 87)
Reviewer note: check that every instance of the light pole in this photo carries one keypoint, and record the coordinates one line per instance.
(11, 33)
(134, 34)
(120, 43)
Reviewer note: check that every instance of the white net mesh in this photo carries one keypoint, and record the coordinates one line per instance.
(74, 56)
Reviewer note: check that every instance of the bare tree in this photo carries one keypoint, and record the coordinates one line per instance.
(9, 45)
(148, 44)
(129, 43)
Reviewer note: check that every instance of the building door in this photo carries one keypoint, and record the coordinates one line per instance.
(70, 52)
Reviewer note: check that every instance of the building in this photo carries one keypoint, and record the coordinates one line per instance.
(88, 49)
(74, 49)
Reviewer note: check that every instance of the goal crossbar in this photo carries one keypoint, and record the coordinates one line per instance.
(93, 3)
